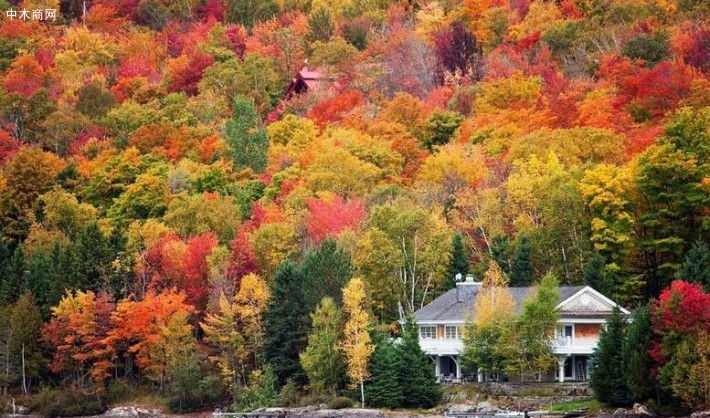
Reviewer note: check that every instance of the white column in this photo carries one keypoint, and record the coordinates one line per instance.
(479, 375)
(458, 367)
(437, 367)
(561, 364)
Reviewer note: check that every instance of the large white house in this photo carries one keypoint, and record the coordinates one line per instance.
(583, 312)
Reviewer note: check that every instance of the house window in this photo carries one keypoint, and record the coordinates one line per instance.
(565, 331)
(427, 332)
(452, 332)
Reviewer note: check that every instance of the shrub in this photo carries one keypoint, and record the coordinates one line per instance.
(66, 403)
(340, 402)
(652, 48)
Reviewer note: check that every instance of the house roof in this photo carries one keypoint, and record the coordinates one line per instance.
(459, 303)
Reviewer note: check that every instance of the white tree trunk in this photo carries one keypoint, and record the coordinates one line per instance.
(24, 376)
(362, 393)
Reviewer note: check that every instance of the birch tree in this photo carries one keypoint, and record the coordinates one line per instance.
(357, 346)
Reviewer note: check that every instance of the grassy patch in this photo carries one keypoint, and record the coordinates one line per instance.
(590, 404)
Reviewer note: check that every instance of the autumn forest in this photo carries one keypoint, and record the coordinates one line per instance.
(234, 202)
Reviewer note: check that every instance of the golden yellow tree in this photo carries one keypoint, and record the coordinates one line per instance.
(237, 329)
(357, 345)
(494, 301)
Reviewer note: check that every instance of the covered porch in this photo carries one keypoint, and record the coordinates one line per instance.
(573, 367)
(447, 368)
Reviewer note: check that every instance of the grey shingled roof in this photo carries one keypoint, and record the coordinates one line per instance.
(457, 307)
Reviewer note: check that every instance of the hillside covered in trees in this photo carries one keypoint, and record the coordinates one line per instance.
(170, 219)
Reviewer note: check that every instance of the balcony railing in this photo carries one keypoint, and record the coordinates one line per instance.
(570, 344)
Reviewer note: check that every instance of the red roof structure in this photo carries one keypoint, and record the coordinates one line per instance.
(308, 79)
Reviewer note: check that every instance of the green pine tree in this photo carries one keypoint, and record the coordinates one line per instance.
(384, 389)
(286, 328)
(458, 264)
(696, 266)
(247, 139)
(325, 272)
(521, 270)
(608, 377)
(637, 361)
(420, 388)
(12, 279)
(593, 274)
(500, 249)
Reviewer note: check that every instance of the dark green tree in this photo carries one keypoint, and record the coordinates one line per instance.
(696, 266)
(652, 48)
(439, 128)
(325, 272)
(458, 263)
(247, 139)
(249, 12)
(321, 25)
(608, 377)
(594, 275)
(521, 270)
(637, 361)
(420, 389)
(286, 326)
(500, 251)
(670, 180)
(383, 389)
(95, 256)
(12, 281)
(93, 101)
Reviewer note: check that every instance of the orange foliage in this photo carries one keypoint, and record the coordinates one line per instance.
(152, 329)
(335, 109)
(26, 76)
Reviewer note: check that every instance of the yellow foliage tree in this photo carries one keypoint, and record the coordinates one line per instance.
(356, 345)
(494, 301)
(237, 330)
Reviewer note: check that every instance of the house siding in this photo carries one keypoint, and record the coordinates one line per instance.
(587, 330)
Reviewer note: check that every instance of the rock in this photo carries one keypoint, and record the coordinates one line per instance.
(620, 413)
(333, 413)
(486, 407)
(461, 409)
(700, 414)
(131, 411)
(639, 409)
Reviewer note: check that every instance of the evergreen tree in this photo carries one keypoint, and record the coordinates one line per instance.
(325, 272)
(249, 12)
(384, 389)
(458, 264)
(285, 326)
(321, 25)
(593, 274)
(322, 361)
(696, 266)
(637, 361)
(94, 257)
(500, 249)
(247, 139)
(420, 388)
(521, 270)
(12, 280)
(608, 377)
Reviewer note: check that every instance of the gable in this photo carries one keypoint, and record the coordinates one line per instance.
(588, 300)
